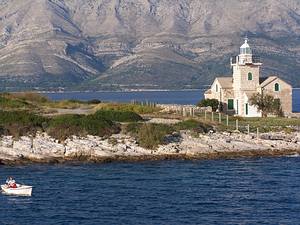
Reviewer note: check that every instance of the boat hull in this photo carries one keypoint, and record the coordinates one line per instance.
(21, 190)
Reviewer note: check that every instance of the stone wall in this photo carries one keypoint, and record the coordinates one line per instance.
(284, 94)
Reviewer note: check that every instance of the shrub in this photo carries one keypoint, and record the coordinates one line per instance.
(213, 103)
(132, 128)
(267, 104)
(118, 116)
(64, 126)
(94, 102)
(21, 117)
(19, 123)
(151, 135)
(193, 125)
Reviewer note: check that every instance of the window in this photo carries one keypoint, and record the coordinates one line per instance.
(277, 87)
(230, 104)
(250, 77)
(247, 108)
(217, 88)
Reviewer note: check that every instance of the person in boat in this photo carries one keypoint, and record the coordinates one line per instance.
(11, 183)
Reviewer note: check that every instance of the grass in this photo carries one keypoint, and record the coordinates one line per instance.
(264, 124)
(30, 97)
(152, 135)
(7, 103)
(36, 100)
(149, 135)
(140, 109)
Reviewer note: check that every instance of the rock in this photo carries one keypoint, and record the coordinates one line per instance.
(7, 141)
(24, 144)
(45, 145)
(42, 147)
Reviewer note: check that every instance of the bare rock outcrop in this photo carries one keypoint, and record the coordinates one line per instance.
(44, 148)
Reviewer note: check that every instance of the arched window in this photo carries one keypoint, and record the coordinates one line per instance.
(217, 88)
(250, 77)
(277, 87)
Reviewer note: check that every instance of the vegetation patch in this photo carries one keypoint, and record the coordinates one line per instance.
(19, 123)
(213, 103)
(7, 103)
(193, 125)
(140, 109)
(152, 135)
(30, 97)
(118, 116)
(63, 126)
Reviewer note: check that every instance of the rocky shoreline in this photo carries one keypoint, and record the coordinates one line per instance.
(184, 145)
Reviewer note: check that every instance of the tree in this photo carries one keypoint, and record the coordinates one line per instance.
(213, 103)
(266, 104)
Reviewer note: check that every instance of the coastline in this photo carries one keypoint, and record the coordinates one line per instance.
(184, 146)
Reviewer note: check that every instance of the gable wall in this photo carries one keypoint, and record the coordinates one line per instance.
(284, 93)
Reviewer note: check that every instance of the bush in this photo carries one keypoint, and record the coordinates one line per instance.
(64, 126)
(193, 125)
(118, 116)
(94, 102)
(19, 123)
(213, 103)
(267, 104)
(149, 135)
(21, 117)
(152, 135)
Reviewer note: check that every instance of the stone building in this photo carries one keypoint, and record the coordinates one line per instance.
(234, 92)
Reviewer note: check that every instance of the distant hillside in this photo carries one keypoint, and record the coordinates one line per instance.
(113, 44)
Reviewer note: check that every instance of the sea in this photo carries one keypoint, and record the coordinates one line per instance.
(233, 191)
(239, 191)
(185, 97)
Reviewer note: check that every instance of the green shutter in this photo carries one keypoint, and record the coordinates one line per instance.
(250, 77)
(276, 87)
(247, 109)
(230, 104)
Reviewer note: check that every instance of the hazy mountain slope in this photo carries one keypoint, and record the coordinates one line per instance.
(142, 43)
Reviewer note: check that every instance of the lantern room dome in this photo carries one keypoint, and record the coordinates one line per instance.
(245, 48)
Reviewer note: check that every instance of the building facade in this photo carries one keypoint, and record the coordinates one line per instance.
(234, 92)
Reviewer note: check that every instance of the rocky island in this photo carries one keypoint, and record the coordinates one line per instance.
(35, 129)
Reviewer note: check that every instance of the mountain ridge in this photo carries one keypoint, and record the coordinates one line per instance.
(115, 44)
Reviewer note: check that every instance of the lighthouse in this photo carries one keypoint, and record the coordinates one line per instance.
(246, 73)
(235, 91)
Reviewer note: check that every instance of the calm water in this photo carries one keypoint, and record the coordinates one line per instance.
(244, 191)
(167, 97)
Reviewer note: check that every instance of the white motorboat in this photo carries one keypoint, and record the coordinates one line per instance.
(22, 190)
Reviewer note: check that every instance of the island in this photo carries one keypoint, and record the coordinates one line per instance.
(34, 129)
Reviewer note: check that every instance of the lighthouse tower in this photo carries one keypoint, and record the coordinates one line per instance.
(246, 71)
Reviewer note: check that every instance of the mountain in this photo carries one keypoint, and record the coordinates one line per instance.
(113, 44)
